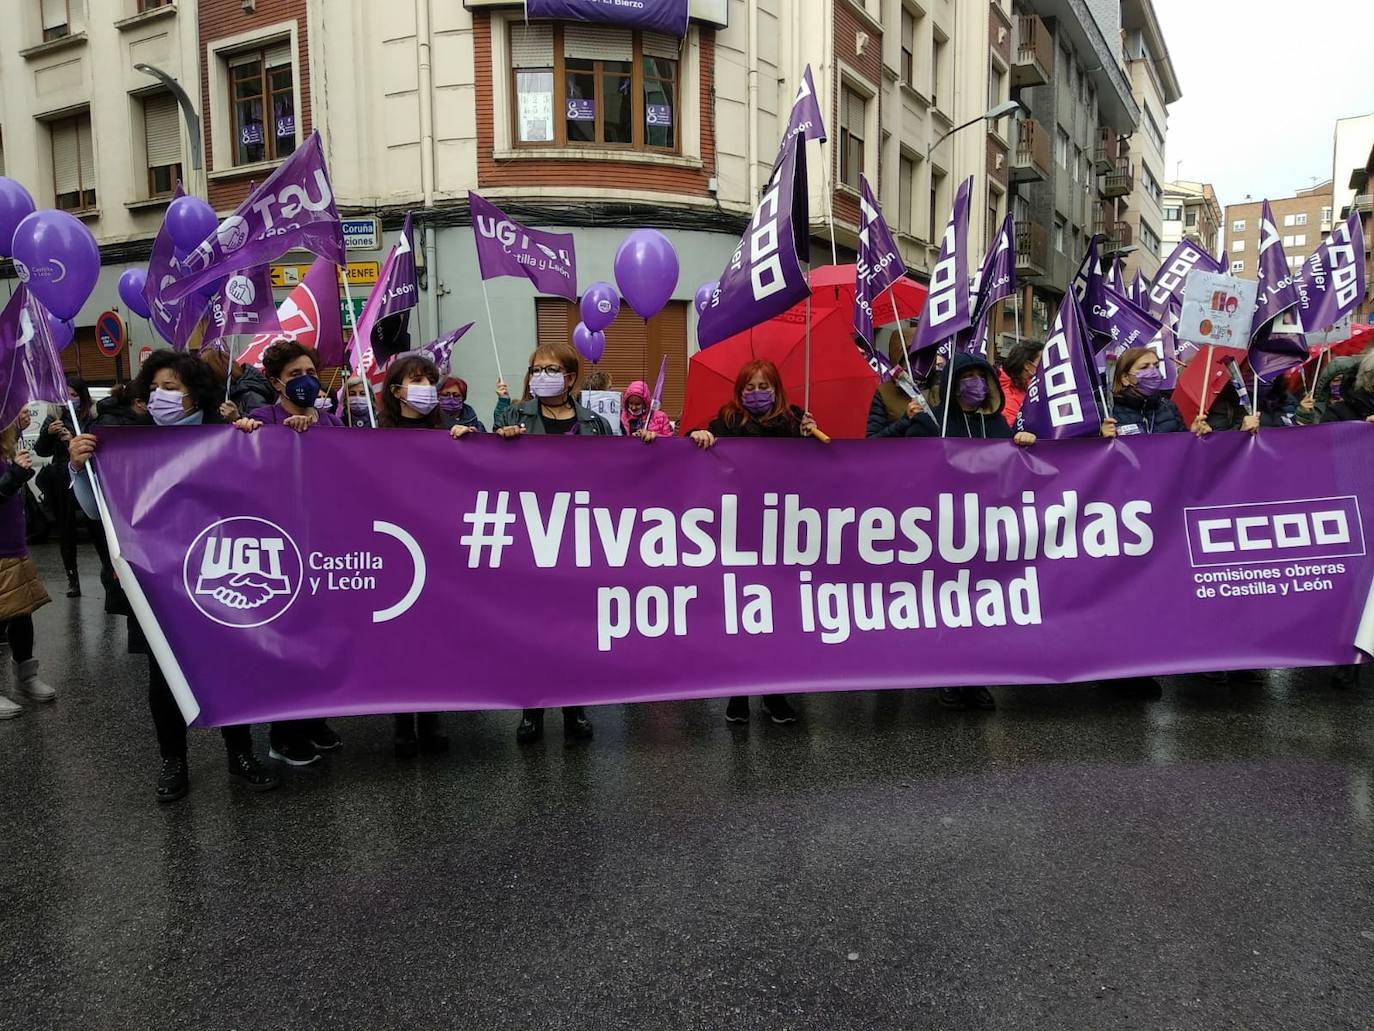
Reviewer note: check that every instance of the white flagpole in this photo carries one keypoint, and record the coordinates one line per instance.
(892, 296)
(806, 403)
(949, 390)
(362, 350)
(495, 351)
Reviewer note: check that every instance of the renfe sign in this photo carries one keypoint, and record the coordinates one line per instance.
(668, 16)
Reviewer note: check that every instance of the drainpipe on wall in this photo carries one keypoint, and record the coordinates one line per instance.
(423, 33)
(752, 112)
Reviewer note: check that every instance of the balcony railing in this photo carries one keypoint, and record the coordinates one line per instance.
(1119, 238)
(1120, 181)
(1032, 249)
(1032, 62)
(1105, 150)
(1032, 158)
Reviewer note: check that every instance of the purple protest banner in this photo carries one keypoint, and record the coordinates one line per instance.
(668, 16)
(879, 263)
(1059, 402)
(163, 271)
(805, 119)
(293, 209)
(30, 367)
(395, 294)
(1139, 292)
(1332, 282)
(1116, 321)
(1166, 289)
(987, 562)
(243, 306)
(1278, 290)
(996, 282)
(947, 308)
(506, 248)
(764, 276)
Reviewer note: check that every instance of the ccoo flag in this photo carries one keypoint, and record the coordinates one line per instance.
(1277, 290)
(996, 282)
(879, 263)
(947, 307)
(376, 340)
(764, 276)
(805, 120)
(1059, 401)
(293, 209)
(506, 248)
(1166, 289)
(1332, 282)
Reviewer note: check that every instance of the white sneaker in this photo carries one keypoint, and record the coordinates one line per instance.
(30, 684)
(9, 709)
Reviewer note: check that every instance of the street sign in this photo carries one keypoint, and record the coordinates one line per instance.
(361, 234)
(360, 273)
(287, 275)
(109, 334)
(358, 303)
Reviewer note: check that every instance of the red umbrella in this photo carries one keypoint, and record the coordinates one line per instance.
(842, 383)
(832, 286)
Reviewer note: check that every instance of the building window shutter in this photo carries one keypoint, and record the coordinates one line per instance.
(161, 130)
(66, 171)
(54, 14)
(656, 44)
(531, 46)
(278, 56)
(86, 163)
(597, 43)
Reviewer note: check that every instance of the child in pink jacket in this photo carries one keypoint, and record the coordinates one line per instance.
(635, 418)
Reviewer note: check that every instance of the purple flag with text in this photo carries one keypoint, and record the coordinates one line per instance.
(440, 351)
(293, 210)
(1332, 283)
(1278, 290)
(764, 276)
(669, 16)
(1166, 289)
(879, 263)
(806, 120)
(1059, 402)
(162, 273)
(243, 306)
(30, 367)
(996, 282)
(947, 307)
(506, 248)
(391, 299)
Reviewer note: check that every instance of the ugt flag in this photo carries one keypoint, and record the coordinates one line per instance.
(30, 367)
(310, 315)
(879, 262)
(293, 209)
(764, 277)
(996, 282)
(243, 306)
(1059, 402)
(162, 273)
(391, 300)
(947, 307)
(506, 248)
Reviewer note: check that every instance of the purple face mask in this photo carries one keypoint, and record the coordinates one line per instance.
(757, 401)
(451, 403)
(1149, 382)
(973, 391)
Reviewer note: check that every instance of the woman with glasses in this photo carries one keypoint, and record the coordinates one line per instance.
(549, 407)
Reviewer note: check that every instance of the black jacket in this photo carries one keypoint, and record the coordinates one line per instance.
(1155, 414)
(251, 391)
(779, 427)
(49, 446)
(1354, 406)
(526, 414)
(984, 424)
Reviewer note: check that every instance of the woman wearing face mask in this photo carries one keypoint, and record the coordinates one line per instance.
(976, 407)
(635, 418)
(757, 409)
(353, 410)
(1015, 375)
(1138, 406)
(550, 407)
(249, 389)
(21, 591)
(453, 402)
(294, 372)
(410, 401)
(180, 391)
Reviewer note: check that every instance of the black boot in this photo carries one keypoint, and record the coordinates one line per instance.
(73, 584)
(531, 727)
(432, 736)
(172, 781)
(245, 768)
(576, 726)
(407, 744)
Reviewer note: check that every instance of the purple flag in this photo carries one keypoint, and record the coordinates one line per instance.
(1166, 290)
(879, 262)
(190, 315)
(440, 351)
(947, 307)
(30, 367)
(506, 248)
(1277, 289)
(668, 16)
(162, 273)
(1139, 292)
(764, 276)
(1332, 282)
(1113, 276)
(996, 281)
(806, 120)
(243, 306)
(1059, 402)
(656, 398)
(394, 295)
(293, 209)
(1112, 318)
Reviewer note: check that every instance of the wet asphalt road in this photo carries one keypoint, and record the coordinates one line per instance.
(1080, 859)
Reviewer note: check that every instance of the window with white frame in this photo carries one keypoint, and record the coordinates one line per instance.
(73, 163)
(1238, 226)
(57, 18)
(1059, 233)
(1288, 241)
(1237, 246)
(1149, 237)
(1299, 239)
(853, 113)
(1173, 214)
(908, 63)
(906, 193)
(1300, 219)
(1061, 148)
(1288, 221)
(1326, 217)
(162, 143)
(262, 98)
(1237, 267)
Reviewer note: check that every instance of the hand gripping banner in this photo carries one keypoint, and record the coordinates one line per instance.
(660, 572)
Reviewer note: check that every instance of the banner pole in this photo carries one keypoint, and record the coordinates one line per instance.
(892, 296)
(806, 402)
(1206, 379)
(949, 391)
(491, 326)
(229, 370)
(362, 348)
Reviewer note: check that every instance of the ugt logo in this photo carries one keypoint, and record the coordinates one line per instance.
(242, 571)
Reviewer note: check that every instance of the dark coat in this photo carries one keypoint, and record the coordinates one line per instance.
(1155, 414)
(1354, 406)
(251, 391)
(467, 417)
(984, 424)
(526, 414)
(751, 427)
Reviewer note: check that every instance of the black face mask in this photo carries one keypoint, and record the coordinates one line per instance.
(302, 390)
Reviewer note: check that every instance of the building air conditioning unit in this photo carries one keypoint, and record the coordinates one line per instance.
(860, 43)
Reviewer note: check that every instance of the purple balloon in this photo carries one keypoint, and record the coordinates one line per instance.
(646, 270)
(132, 284)
(15, 206)
(704, 293)
(600, 306)
(62, 332)
(589, 343)
(189, 221)
(58, 258)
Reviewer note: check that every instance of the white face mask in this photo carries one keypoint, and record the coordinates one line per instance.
(423, 397)
(547, 384)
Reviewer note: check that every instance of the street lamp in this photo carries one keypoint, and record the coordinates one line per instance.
(188, 109)
(1003, 109)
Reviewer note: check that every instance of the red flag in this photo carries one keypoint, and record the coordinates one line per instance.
(1188, 394)
(310, 315)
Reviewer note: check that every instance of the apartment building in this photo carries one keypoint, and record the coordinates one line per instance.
(1302, 220)
(1154, 86)
(1190, 211)
(1360, 183)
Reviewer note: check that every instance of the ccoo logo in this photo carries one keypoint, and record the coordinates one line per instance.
(242, 571)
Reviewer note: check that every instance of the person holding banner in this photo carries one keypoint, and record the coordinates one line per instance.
(636, 418)
(21, 591)
(1138, 401)
(293, 371)
(354, 405)
(178, 390)
(1015, 375)
(249, 389)
(892, 410)
(453, 402)
(975, 407)
(550, 407)
(1227, 412)
(55, 483)
(1355, 401)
